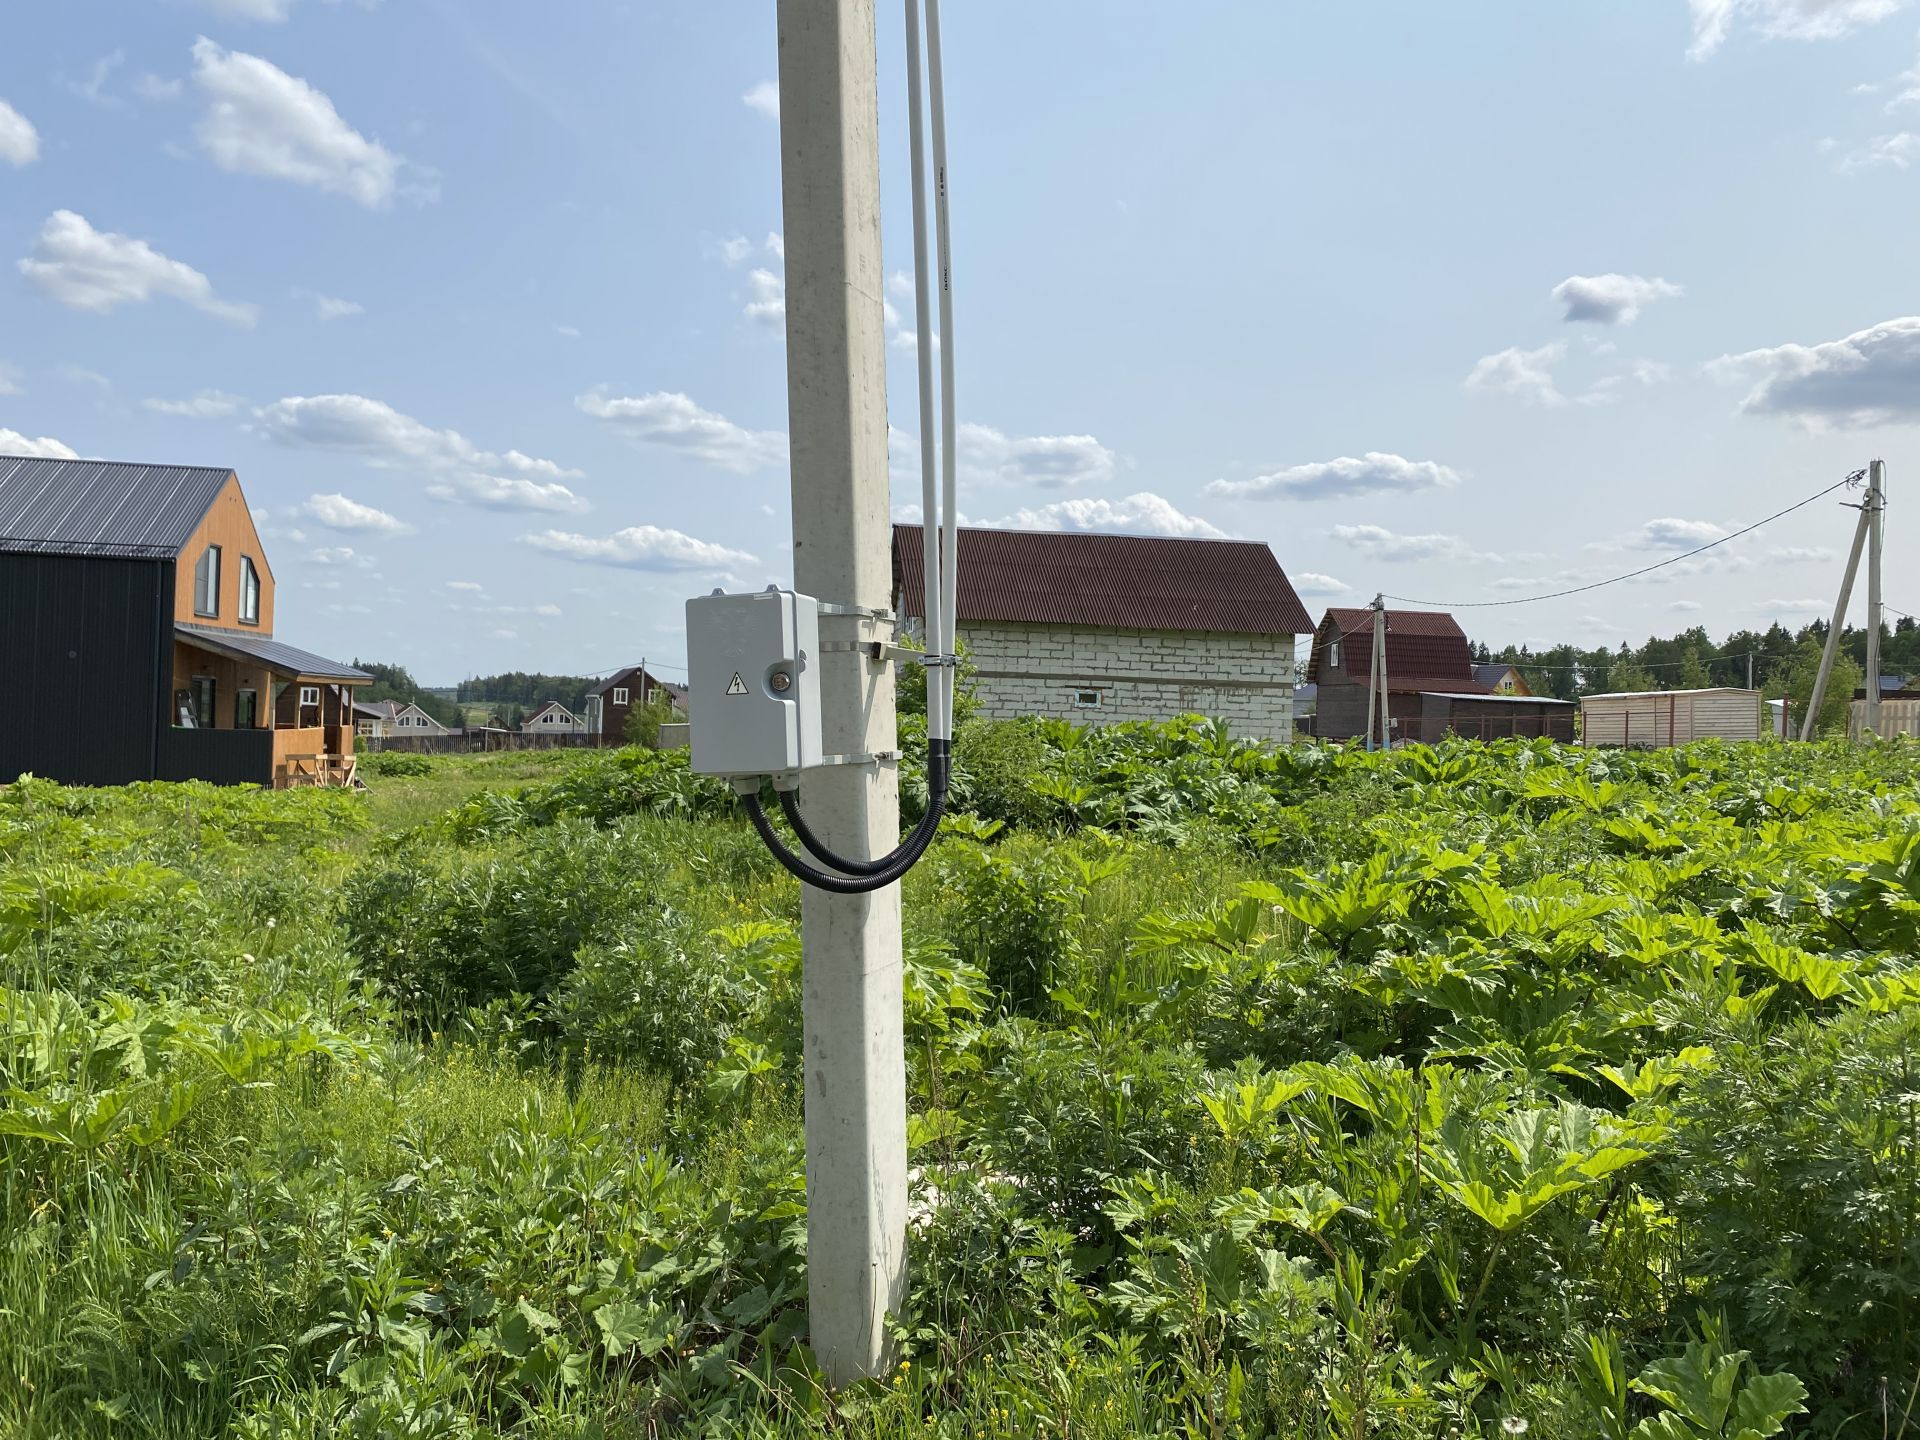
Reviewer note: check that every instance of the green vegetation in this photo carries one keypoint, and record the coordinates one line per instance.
(1783, 664)
(517, 689)
(396, 682)
(1469, 1091)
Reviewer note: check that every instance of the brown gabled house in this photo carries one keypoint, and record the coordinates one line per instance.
(1433, 689)
(138, 632)
(615, 698)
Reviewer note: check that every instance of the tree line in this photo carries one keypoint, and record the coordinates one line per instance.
(527, 691)
(1777, 662)
(395, 682)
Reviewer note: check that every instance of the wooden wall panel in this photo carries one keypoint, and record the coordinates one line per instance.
(228, 523)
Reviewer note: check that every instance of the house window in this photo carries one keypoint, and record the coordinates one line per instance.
(547, 719)
(620, 695)
(206, 582)
(1333, 653)
(246, 709)
(203, 698)
(309, 694)
(249, 592)
(1086, 699)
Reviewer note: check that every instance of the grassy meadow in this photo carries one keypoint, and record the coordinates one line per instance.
(1458, 1092)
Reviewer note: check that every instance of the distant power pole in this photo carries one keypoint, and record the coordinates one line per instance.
(1839, 619)
(1378, 683)
(1876, 504)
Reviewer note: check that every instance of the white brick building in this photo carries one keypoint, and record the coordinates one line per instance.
(1103, 628)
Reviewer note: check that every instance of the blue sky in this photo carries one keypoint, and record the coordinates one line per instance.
(482, 299)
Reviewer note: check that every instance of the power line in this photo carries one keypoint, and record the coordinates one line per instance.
(1851, 480)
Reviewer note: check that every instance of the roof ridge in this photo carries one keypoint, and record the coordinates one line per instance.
(136, 464)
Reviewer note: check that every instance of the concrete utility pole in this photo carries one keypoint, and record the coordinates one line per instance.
(1380, 675)
(1876, 504)
(837, 416)
(1839, 619)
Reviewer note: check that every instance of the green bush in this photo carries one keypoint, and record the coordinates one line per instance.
(396, 764)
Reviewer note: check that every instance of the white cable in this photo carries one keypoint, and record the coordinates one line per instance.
(950, 559)
(929, 534)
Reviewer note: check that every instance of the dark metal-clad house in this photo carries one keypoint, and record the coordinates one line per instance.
(1433, 689)
(137, 641)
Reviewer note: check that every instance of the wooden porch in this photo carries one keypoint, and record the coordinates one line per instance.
(300, 706)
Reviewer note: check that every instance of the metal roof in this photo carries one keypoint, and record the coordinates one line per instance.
(1426, 649)
(1429, 623)
(1124, 582)
(102, 507)
(1496, 699)
(280, 658)
(1640, 694)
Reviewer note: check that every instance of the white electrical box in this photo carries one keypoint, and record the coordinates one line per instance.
(753, 683)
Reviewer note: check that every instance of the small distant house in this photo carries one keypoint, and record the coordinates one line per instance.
(385, 719)
(1644, 719)
(1101, 628)
(1432, 688)
(553, 718)
(611, 701)
(136, 615)
(1499, 679)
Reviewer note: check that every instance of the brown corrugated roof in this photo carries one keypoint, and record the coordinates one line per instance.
(1426, 650)
(1432, 623)
(1125, 582)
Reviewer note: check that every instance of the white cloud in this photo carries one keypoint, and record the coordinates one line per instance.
(764, 97)
(12, 442)
(667, 420)
(206, 405)
(1527, 374)
(340, 556)
(330, 307)
(1377, 543)
(471, 586)
(1052, 462)
(643, 547)
(1671, 533)
(149, 86)
(93, 89)
(1799, 554)
(1900, 151)
(80, 375)
(1140, 514)
(9, 380)
(1793, 607)
(567, 332)
(505, 492)
(550, 611)
(88, 269)
(19, 141)
(1870, 378)
(503, 634)
(733, 250)
(1651, 372)
(1376, 472)
(777, 245)
(270, 10)
(769, 303)
(1684, 607)
(1312, 582)
(389, 440)
(262, 121)
(337, 512)
(1713, 20)
(1610, 299)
